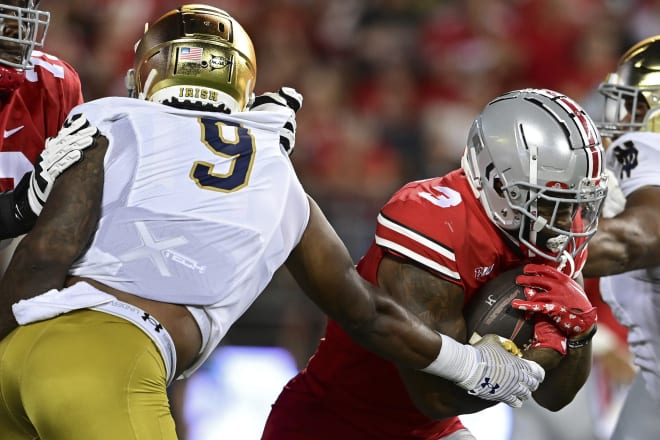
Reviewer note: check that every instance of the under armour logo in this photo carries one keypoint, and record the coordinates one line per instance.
(147, 317)
(486, 384)
(626, 155)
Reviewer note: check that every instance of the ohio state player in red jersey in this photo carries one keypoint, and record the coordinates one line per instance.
(529, 191)
(32, 112)
(37, 90)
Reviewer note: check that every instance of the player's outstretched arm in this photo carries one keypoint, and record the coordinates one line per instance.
(439, 304)
(323, 267)
(62, 231)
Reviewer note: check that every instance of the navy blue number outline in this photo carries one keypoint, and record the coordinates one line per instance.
(240, 148)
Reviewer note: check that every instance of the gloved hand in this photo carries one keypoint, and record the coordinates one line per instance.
(547, 335)
(501, 376)
(60, 153)
(557, 296)
(287, 100)
(488, 370)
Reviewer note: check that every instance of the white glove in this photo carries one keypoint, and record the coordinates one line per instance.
(487, 370)
(286, 100)
(60, 153)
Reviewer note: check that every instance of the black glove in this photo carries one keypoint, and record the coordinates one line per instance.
(286, 100)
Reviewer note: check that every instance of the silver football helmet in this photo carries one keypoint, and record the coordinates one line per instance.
(196, 56)
(22, 28)
(535, 161)
(632, 92)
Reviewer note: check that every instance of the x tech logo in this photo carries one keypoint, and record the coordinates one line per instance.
(153, 249)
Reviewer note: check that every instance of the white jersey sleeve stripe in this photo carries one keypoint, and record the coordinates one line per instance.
(412, 235)
(418, 258)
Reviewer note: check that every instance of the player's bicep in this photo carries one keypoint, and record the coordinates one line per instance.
(643, 235)
(437, 302)
(630, 240)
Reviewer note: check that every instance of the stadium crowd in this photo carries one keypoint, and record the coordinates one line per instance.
(389, 85)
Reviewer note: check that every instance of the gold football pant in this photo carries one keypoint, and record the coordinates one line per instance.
(83, 375)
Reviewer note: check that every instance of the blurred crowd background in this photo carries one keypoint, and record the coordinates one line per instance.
(390, 86)
(390, 89)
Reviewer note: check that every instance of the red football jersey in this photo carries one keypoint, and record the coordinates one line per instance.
(346, 391)
(34, 112)
(440, 225)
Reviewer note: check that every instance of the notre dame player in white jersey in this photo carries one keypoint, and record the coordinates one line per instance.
(109, 298)
(625, 251)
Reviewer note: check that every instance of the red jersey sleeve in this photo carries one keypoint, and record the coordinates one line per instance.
(408, 226)
(439, 225)
(71, 90)
(62, 86)
(34, 112)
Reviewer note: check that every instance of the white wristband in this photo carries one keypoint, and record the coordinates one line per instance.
(455, 362)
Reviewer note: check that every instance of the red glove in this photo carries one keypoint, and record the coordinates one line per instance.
(557, 296)
(547, 335)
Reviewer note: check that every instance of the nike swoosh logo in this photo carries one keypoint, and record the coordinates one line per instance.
(13, 131)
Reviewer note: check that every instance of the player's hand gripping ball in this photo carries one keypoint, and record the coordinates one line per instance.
(490, 311)
(559, 304)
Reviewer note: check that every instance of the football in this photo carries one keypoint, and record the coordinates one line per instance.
(490, 311)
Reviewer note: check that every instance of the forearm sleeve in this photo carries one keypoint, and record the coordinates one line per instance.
(16, 217)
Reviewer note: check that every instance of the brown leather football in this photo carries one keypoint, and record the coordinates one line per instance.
(490, 311)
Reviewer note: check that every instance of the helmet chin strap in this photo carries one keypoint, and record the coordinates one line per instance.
(566, 258)
(147, 84)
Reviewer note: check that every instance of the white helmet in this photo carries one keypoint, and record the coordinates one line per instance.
(535, 161)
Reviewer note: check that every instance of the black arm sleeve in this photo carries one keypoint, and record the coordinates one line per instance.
(16, 216)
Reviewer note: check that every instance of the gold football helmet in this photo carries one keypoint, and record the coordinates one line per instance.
(196, 57)
(632, 92)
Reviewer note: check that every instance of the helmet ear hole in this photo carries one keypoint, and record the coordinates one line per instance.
(498, 187)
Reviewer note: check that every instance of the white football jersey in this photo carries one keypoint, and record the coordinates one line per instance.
(198, 208)
(635, 296)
